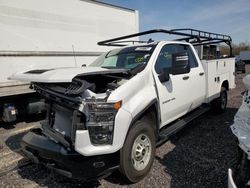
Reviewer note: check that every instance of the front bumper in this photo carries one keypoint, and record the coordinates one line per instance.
(67, 162)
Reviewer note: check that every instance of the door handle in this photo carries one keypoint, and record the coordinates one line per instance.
(185, 77)
(201, 73)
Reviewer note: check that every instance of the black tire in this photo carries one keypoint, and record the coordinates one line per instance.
(244, 71)
(219, 105)
(242, 173)
(127, 162)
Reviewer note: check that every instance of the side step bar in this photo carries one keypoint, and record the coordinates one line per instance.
(165, 133)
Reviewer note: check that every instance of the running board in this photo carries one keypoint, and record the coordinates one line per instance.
(165, 133)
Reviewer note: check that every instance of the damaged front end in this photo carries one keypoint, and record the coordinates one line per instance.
(241, 129)
(86, 123)
(81, 105)
(78, 110)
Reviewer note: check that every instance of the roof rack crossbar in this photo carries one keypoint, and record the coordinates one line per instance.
(170, 32)
(200, 37)
(204, 34)
(208, 43)
(119, 43)
(187, 39)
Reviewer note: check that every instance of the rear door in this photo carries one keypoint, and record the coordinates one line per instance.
(197, 76)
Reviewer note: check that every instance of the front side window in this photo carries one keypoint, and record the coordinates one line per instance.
(164, 60)
(185, 48)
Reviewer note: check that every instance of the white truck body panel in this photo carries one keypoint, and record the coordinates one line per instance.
(222, 68)
(47, 34)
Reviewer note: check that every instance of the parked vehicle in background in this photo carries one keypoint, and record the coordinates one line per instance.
(245, 56)
(240, 177)
(240, 66)
(49, 34)
(112, 114)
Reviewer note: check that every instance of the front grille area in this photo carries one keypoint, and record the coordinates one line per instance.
(65, 121)
(61, 120)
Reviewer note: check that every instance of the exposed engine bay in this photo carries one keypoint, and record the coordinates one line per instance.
(95, 86)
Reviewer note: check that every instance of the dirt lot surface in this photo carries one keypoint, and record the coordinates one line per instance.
(198, 156)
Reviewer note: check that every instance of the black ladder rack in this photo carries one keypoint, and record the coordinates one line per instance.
(193, 36)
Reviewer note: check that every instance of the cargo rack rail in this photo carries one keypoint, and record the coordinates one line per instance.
(193, 36)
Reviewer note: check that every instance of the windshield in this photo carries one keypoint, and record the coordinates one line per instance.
(126, 58)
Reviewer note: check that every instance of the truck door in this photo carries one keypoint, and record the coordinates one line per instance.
(175, 94)
(197, 78)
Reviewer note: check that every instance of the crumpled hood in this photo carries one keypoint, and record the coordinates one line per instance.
(59, 75)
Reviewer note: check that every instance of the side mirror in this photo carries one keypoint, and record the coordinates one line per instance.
(180, 63)
(164, 75)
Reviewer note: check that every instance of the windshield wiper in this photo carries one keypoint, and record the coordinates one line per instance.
(138, 68)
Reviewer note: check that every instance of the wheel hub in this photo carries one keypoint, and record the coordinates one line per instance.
(141, 152)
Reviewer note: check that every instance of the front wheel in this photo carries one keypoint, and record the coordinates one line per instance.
(137, 154)
(220, 104)
(242, 172)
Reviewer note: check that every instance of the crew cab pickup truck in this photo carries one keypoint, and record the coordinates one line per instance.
(113, 113)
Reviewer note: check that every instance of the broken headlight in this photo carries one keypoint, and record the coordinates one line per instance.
(101, 122)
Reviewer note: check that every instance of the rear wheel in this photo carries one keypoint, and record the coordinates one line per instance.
(220, 104)
(137, 154)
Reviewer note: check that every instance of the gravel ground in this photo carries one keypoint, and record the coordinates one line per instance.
(198, 156)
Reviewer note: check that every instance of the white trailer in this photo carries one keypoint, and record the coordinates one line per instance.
(50, 34)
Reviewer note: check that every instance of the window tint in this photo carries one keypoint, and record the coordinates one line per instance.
(164, 59)
(185, 48)
(110, 61)
(192, 60)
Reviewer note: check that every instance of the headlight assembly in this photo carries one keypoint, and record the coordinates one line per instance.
(101, 122)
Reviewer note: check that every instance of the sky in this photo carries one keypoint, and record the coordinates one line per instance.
(231, 17)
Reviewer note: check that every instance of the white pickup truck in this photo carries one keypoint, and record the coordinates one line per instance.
(113, 113)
